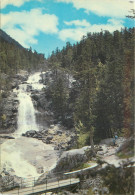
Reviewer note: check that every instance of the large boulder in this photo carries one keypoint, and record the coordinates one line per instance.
(29, 88)
(68, 160)
(21, 76)
(73, 158)
(127, 146)
(39, 97)
(35, 97)
(30, 133)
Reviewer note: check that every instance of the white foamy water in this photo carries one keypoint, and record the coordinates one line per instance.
(23, 156)
(26, 111)
(35, 81)
(26, 114)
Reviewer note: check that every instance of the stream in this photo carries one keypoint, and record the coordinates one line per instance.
(22, 156)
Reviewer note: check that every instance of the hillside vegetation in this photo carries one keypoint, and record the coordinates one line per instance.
(93, 83)
(13, 58)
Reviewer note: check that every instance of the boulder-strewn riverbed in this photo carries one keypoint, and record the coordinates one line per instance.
(22, 156)
(57, 135)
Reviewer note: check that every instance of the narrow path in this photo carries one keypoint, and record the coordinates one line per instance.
(111, 158)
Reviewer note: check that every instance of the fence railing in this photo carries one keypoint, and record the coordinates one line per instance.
(51, 178)
(30, 184)
(47, 186)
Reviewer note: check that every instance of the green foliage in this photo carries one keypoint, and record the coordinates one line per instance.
(14, 57)
(3, 117)
(58, 94)
(102, 95)
(120, 180)
(82, 166)
(83, 135)
(127, 155)
(83, 139)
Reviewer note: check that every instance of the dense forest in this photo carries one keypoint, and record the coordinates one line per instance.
(93, 83)
(13, 58)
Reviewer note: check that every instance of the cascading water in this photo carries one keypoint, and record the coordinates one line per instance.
(34, 80)
(23, 156)
(26, 112)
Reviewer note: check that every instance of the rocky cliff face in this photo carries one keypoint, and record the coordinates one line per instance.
(18, 79)
(9, 109)
(9, 105)
(44, 116)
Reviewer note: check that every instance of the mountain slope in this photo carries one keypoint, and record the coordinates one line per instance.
(5, 37)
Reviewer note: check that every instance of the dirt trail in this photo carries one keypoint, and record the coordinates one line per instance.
(111, 158)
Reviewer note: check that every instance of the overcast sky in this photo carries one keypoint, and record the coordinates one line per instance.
(47, 24)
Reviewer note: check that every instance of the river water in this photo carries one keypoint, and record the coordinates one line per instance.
(22, 156)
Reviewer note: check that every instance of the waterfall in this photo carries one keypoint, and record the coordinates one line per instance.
(24, 156)
(34, 80)
(26, 114)
(26, 110)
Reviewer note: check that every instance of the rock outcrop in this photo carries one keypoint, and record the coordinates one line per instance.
(127, 147)
(73, 158)
(56, 135)
(9, 104)
(8, 182)
(22, 76)
(9, 110)
(69, 160)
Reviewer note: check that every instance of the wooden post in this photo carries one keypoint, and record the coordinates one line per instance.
(70, 179)
(8, 180)
(46, 182)
(34, 182)
(13, 183)
(21, 183)
(58, 182)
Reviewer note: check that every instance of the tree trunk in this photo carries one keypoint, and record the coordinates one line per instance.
(92, 145)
